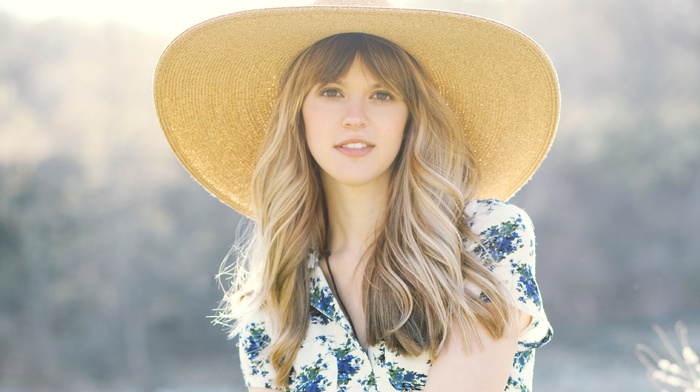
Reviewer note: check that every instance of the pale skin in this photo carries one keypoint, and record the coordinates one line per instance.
(338, 116)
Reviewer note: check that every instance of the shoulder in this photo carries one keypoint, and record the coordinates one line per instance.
(487, 213)
(500, 231)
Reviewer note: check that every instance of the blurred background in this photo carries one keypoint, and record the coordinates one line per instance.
(108, 249)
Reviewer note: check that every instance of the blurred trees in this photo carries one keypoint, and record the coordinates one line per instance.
(108, 250)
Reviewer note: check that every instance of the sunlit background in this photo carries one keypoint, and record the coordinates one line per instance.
(108, 250)
(157, 17)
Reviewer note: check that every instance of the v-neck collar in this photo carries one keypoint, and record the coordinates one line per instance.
(322, 298)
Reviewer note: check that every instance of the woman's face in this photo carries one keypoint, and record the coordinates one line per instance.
(354, 128)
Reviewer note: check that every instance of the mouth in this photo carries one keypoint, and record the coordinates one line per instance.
(356, 145)
(354, 148)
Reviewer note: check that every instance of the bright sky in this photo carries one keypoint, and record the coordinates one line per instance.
(164, 17)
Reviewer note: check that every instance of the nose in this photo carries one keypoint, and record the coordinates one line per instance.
(355, 116)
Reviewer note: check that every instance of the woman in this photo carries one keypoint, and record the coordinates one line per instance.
(377, 261)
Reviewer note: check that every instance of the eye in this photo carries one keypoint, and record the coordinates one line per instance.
(382, 96)
(330, 92)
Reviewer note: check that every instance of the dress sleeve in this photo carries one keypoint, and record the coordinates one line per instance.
(253, 341)
(507, 247)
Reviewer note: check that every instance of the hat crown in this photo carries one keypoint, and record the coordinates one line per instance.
(354, 3)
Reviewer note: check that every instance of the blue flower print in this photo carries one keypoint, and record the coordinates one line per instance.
(527, 285)
(348, 364)
(318, 318)
(370, 382)
(405, 380)
(253, 344)
(516, 385)
(321, 297)
(257, 341)
(310, 378)
(522, 358)
(502, 240)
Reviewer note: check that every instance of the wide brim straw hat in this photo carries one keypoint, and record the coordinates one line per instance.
(215, 86)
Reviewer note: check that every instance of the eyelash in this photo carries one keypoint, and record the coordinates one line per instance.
(324, 92)
(389, 97)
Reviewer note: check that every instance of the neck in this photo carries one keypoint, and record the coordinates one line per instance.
(354, 213)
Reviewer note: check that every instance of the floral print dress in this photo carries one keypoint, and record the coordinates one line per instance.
(331, 358)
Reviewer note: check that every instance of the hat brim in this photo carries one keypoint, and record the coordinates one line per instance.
(216, 83)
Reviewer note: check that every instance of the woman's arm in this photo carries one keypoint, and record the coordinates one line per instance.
(485, 369)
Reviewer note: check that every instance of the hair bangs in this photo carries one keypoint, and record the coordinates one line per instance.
(330, 59)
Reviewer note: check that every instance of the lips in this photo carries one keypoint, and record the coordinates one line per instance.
(354, 147)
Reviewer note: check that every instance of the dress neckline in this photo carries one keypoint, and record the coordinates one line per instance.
(336, 293)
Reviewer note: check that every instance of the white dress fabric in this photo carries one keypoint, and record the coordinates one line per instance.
(331, 359)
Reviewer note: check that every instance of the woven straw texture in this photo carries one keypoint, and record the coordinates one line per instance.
(215, 85)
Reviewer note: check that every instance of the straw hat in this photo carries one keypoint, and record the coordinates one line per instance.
(215, 85)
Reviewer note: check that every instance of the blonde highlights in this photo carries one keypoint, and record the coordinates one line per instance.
(416, 283)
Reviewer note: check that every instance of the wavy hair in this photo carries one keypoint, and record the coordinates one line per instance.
(417, 283)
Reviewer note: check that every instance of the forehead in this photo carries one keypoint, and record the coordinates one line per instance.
(358, 70)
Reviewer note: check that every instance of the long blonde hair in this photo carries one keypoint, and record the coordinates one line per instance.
(416, 283)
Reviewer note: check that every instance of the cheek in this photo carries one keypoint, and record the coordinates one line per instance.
(400, 126)
(310, 129)
(307, 121)
(304, 114)
(311, 116)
